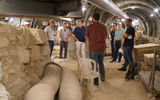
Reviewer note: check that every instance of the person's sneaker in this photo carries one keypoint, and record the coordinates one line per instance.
(122, 69)
(119, 61)
(129, 77)
(112, 61)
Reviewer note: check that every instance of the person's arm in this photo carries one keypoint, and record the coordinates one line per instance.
(61, 36)
(122, 42)
(74, 37)
(73, 34)
(68, 35)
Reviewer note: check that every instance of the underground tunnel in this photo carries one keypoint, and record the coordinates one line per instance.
(46, 49)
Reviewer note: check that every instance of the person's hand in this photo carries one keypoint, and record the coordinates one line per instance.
(64, 40)
(76, 39)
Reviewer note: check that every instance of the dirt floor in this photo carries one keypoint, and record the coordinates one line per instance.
(115, 87)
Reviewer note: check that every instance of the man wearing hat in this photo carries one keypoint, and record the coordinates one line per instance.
(51, 33)
(64, 35)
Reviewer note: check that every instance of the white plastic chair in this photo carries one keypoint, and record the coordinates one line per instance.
(87, 72)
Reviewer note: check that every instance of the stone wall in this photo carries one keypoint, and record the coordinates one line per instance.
(23, 54)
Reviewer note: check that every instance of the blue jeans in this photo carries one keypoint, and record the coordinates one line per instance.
(98, 57)
(128, 57)
(51, 45)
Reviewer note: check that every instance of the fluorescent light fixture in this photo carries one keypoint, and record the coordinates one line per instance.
(156, 10)
(123, 20)
(67, 19)
(90, 18)
(151, 15)
(133, 7)
(83, 9)
(26, 23)
(11, 19)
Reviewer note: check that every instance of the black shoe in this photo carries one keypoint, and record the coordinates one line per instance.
(122, 69)
(103, 79)
(112, 61)
(96, 81)
(129, 76)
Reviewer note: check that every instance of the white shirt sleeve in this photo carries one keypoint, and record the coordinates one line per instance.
(60, 31)
(46, 29)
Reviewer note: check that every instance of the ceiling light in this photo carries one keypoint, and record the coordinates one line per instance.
(152, 15)
(83, 9)
(133, 7)
(156, 10)
(122, 20)
(67, 19)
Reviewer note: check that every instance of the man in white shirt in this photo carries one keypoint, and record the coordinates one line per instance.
(51, 35)
(64, 35)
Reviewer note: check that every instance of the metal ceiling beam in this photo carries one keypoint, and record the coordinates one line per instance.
(108, 6)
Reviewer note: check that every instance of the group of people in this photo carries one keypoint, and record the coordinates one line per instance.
(96, 34)
(122, 43)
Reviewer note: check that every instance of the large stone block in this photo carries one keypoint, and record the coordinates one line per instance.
(23, 55)
(4, 42)
(39, 36)
(148, 60)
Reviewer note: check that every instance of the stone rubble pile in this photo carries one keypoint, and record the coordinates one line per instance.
(23, 55)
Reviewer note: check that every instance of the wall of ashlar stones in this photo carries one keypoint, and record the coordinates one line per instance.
(23, 55)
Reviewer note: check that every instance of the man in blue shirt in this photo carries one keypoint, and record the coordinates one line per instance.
(127, 45)
(79, 36)
(117, 42)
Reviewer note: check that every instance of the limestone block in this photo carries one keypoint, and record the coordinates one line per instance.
(23, 55)
(45, 50)
(4, 42)
(35, 52)
(26, 38)
(148, 59)
(39, 35)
